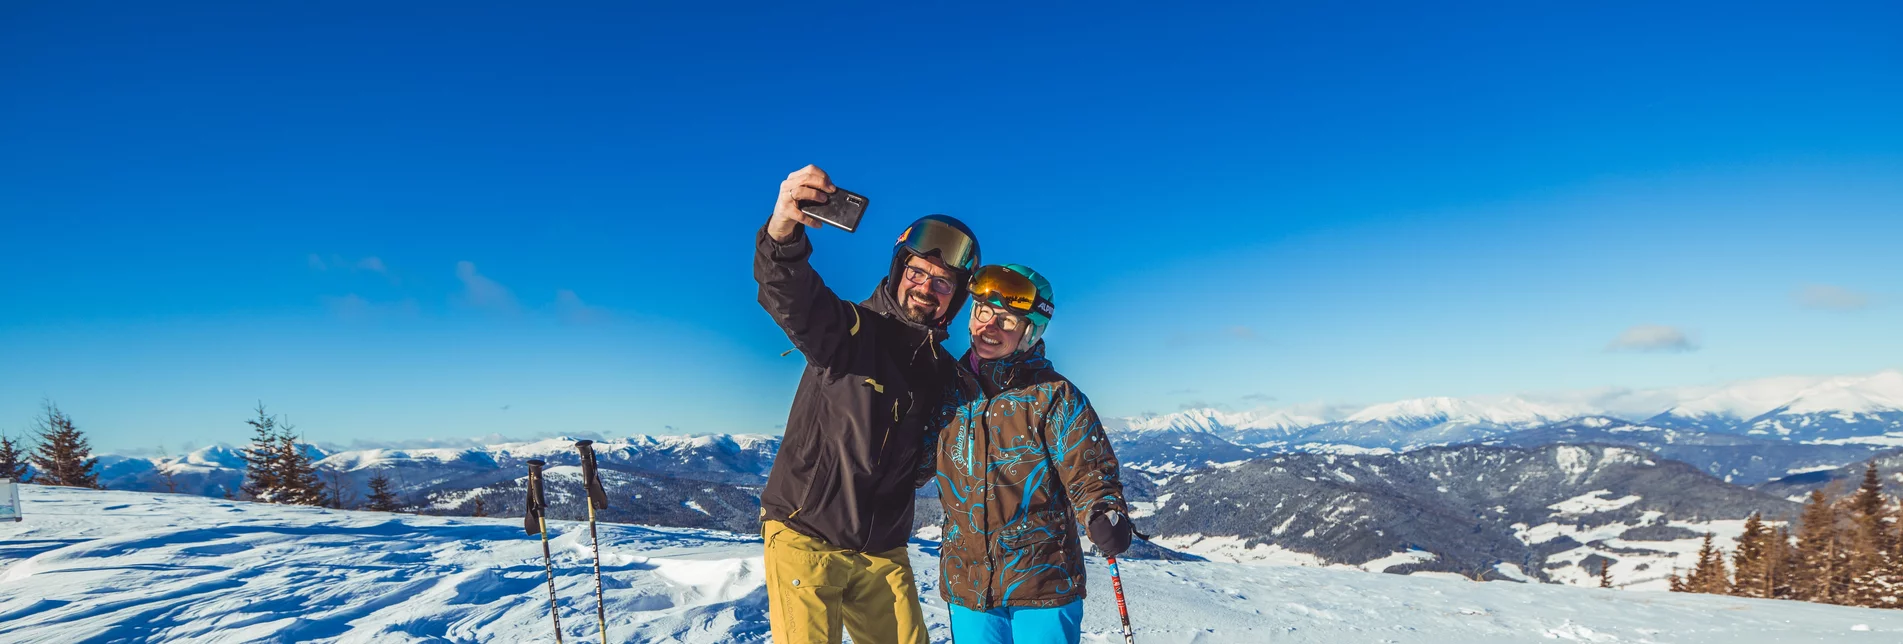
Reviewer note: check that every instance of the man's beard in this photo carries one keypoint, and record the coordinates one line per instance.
(918, 312)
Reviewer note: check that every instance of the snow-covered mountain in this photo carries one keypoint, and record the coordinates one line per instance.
(691, 481)
(1551, 513)
(108, 566)
(1862, 408)
(1798, 409)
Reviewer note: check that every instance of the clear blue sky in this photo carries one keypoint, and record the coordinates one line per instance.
(207, 205)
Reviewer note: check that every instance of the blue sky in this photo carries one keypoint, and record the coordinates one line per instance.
(449, 220)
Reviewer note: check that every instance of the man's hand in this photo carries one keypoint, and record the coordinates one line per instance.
(805, 184)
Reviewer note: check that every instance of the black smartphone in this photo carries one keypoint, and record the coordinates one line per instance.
(843, 208)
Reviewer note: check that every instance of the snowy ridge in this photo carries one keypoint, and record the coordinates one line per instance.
(122, 566)
(1425, 412)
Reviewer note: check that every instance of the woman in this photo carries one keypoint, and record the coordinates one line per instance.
(1022, 461)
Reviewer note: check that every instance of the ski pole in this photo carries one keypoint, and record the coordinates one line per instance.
(1123, 610)
(536, 523)
(597, 499)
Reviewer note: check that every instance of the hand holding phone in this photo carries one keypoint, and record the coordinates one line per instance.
(842, 208)
(808, 197)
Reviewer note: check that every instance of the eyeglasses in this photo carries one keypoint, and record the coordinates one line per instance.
(1008, 321)
(918, 275)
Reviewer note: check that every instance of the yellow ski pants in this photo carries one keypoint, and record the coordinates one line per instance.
(813, 589)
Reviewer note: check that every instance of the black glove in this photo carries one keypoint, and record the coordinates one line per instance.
(1110, 530)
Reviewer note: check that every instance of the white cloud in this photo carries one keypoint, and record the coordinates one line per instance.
(481, 292)
(372, 264)
(1653, 338)
(572, 309)
(1834, 298)
(355, 308)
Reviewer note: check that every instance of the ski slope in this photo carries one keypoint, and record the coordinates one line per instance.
(99, 566)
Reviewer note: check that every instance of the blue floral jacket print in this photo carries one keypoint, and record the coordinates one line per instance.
(1022, 461)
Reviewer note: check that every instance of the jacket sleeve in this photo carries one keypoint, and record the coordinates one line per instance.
(814, 318)
(937, 422)
(1081, 454)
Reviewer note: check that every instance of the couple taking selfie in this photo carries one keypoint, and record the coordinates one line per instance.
(1021, 461)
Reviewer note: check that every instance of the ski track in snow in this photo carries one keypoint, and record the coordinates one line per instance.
(97, 567)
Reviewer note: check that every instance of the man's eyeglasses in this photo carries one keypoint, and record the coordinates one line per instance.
(1008, 321)
(918, 275)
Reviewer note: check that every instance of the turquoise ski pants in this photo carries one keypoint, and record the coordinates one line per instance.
(1060, 625)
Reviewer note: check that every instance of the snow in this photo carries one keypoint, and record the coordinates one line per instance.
(91, 566)
(1510, 411)
(1215, 420)
(1591, 502)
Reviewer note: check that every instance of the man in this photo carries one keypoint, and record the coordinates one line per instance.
(1022, 461)
(837, 508)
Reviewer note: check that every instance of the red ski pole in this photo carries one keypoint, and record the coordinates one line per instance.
(1123, 610)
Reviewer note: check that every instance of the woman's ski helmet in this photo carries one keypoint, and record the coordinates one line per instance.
(1017, 288)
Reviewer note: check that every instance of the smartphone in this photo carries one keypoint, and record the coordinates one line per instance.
(843, 208)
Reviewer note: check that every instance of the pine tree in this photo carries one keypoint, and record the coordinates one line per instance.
(297, 473)
(1750, 563)
(13, 462)
(381, 498)
(262, 459)
(1781, 565)
(1709, 576)
(1890, 594)
(1605, 574)
(1868, 542)
(1817, 552)
(63, 457)
(1676, 583)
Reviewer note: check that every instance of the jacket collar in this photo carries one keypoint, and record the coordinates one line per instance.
(883, 303)
(1018, 370)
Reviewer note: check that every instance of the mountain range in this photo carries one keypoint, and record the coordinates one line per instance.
(1538, 489)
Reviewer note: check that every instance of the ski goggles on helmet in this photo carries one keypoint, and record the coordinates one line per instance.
(942, 237)
(1010, 290)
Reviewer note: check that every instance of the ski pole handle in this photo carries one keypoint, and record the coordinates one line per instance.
(1123, 610)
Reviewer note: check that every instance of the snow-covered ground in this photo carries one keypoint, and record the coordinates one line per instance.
(97, 567)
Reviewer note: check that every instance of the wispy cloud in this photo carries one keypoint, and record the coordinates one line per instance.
(355, 308)
(334, 262)
(1259, 398)
(1832, 298)
(481, 292)
(1653, 338)
(572, 309)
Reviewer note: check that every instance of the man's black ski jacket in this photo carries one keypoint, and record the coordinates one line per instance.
(856, 443)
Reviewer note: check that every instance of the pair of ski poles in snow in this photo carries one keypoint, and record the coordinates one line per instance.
(536, 522)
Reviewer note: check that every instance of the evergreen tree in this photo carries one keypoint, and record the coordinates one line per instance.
(262, 459)
(1750, 563)
(298, 482)
(13, 462)
(1890, 593)
(1605, 574)
(1780, 563)
(1817, 556)
(63, 457)
(1868, 541)
(1709, 576)
(1676, 583)
(381, 498)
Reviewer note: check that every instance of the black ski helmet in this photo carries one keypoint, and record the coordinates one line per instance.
(946, 239)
